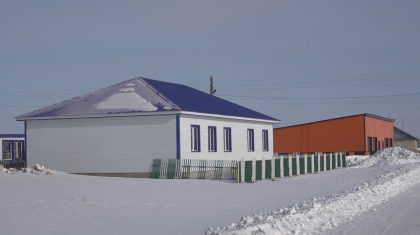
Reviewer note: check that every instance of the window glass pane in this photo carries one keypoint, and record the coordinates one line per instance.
(212, 139)
(250, 140)
(265, 140)
(227, 139)
(7, 150)
(194, 138)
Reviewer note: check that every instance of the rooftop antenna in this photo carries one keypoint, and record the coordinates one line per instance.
(212, 91)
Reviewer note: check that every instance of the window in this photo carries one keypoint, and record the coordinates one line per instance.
(195, 138)
(227, 139)
(212, 139)
(265, 140)
(17, 150)
(390, 142)
(386, 143)
(369, 142)
(7, 150)
(250, 140)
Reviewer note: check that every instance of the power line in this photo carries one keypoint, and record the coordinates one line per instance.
(323, 98)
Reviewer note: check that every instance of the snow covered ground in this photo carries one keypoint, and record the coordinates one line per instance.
(71, 204)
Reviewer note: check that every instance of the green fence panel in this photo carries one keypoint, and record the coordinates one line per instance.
(344, 160)
(302, 165)
(328, 162)
(240, 172)
(321, 167)
(248, 171)
(156, 168)
(286, 166)
(258, 166)
(294, 166)
(277, 167)
(309, 164)
(333, 161)
(171, 169)
(339, 160)
(268, 169)
(316, 167)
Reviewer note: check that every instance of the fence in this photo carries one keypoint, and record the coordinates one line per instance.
(15, 163)
(287, 166)
(194, 169)
(249, 170)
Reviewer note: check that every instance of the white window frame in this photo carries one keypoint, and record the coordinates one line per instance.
(265, 146)
(212, 139)
(227, 139)
(195, 138)
(250, 140)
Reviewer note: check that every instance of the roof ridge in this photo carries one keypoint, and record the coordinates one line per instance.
(157, 91)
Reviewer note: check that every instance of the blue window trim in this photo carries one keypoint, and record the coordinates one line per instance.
(230, 139)
(265, 132)
(215, 138)
(198, 139)
(253, 140)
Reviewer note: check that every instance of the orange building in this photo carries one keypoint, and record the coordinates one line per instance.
(361, 134)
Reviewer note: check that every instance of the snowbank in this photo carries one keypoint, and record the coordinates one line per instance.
(317, 215)
(385, 157)
(36, 170)
(355, 160)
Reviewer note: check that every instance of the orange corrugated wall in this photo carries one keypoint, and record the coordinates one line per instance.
(341, 134)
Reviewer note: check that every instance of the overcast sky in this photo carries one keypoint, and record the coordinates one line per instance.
(297, 61)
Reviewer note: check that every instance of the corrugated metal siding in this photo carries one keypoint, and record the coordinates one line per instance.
(402, 135)
(101, 145)
(239, 138)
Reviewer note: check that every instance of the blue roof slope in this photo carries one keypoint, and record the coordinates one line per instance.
(144, 95)
(190, 99)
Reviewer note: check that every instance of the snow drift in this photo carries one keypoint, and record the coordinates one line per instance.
(322, 213)
(385, 157)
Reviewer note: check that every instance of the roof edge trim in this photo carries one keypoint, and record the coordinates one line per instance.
(228, 117)
(363, 114)
(146, 114)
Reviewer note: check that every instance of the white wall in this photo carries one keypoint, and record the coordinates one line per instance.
(239, 138)
(101, 145)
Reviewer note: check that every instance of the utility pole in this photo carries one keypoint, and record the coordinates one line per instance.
(212, 91)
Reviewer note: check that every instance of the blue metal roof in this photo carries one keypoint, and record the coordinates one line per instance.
(141, 95)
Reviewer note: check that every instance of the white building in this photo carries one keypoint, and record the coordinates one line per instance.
(122, 128)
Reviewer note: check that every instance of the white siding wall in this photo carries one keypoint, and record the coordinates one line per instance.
(101, 145)
(239, 138)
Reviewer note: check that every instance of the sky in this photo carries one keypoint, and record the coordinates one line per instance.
(297, 61)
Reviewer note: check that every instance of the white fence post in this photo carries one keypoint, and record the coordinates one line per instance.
(312, 163)
(306, 164)
(263, 168)
(281, 166)
(242, 170)
(290, 165)
(336, 162)
(273, 168)
(254, 167)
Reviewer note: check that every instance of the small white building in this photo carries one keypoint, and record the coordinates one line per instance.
(122, 128)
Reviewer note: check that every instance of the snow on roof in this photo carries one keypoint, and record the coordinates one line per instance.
(140, 95)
